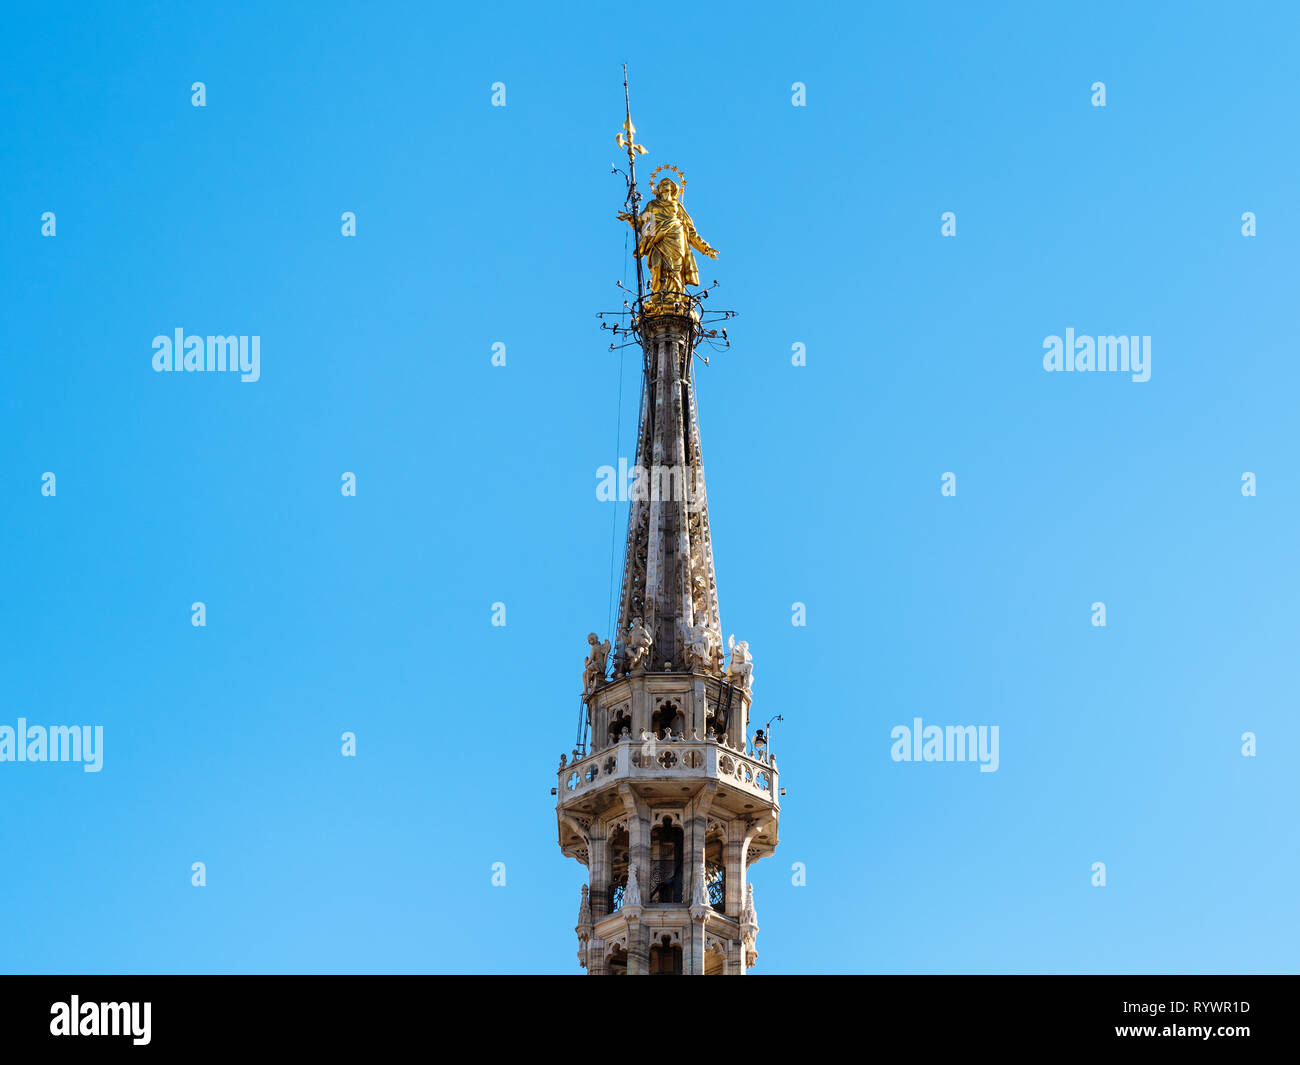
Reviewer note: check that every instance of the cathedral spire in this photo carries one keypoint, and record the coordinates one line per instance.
(672, 804)
(668, 609)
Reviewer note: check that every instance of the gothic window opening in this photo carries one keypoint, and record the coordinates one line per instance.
(666, 862)
(668, 716)
(617, 724)
(618, 851)
(666, 958)
(715, 874)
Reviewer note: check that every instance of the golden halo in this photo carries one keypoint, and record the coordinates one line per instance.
(681, 178)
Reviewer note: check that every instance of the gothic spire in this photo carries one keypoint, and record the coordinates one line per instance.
(668, 611)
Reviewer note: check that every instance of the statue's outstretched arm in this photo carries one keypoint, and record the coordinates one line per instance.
(701, 245)
(697, 241)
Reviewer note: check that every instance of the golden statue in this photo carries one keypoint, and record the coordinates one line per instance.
(667, 237)
(665, 232)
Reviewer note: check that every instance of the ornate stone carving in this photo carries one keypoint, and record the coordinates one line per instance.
(593, 669)
(584, 916)
(699, 896)
(740, 671)
(718, 943)
(638, 644)
(632, 893)
(748, 918)
(701, 647)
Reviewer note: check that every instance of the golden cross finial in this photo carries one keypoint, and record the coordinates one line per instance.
(626, 142)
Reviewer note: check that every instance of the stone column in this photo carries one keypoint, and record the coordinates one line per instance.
(641, 712)
(735, 860)
(638, 945)
(596, 958)
(599, 868)
(693, 948)
(638, 833)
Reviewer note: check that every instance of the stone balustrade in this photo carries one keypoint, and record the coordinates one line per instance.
(668, 759)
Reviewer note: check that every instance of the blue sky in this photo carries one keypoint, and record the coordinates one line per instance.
(478, 225)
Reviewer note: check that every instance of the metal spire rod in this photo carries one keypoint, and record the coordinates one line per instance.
(633, 201)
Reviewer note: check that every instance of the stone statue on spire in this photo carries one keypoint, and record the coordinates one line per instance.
(740, 670)
(701, 647)
(593, 668)
(637, 646)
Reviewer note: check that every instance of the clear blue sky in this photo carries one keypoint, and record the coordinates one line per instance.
(476, 484)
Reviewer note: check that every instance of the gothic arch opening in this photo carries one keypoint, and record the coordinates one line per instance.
(668, 716)
(618, 857)
(620, 720)
(666, 862)
(666, 957)
(715, 872)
